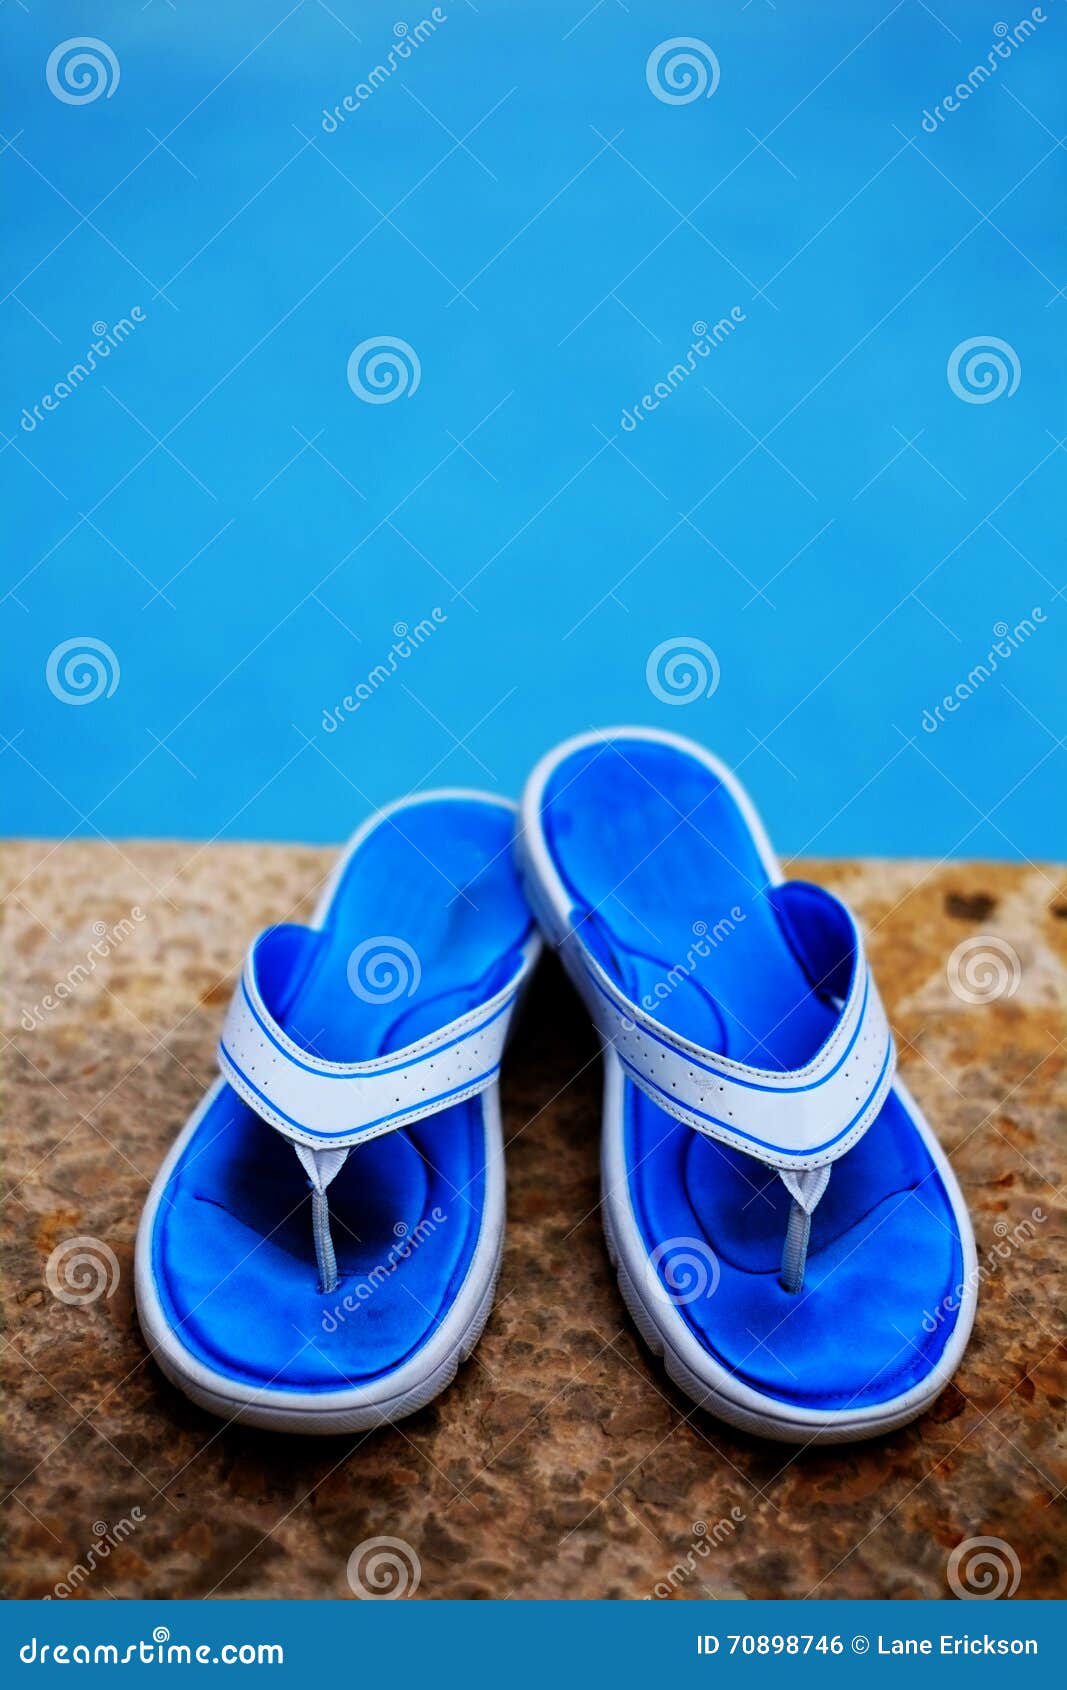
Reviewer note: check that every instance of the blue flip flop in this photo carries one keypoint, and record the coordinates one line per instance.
(320, 1249)
(787, 1232)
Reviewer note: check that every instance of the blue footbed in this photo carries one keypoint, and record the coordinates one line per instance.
(232, 1247)
(649, 842)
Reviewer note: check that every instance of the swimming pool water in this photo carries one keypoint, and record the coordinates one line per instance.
(728, 397)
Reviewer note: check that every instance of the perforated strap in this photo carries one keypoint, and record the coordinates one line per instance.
(335, 1105)
(795, 1118)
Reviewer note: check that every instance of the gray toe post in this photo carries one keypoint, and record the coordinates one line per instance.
(321, 1166)
(805, 1187)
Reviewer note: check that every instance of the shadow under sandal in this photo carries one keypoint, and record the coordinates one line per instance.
(320, 1249)
(787, 1232)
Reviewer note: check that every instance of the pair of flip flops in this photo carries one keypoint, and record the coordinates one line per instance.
(319, 1251)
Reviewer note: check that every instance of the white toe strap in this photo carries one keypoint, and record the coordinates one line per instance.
(801, 1118)
(335, 1105)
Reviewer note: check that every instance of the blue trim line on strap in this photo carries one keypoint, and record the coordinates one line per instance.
(733, 1079)
(415, 1109)
(644, 1083)
(397, 1068)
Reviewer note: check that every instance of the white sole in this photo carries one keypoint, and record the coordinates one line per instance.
(661, 1325)
(353, 1409)
(408, 1387)
(705, 1381)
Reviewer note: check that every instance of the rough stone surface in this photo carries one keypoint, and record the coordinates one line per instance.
(562, 1462)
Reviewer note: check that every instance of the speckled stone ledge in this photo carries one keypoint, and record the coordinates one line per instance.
(562, 1462)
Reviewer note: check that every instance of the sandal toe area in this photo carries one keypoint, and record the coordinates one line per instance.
(234, 1264)
(881, 1292)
